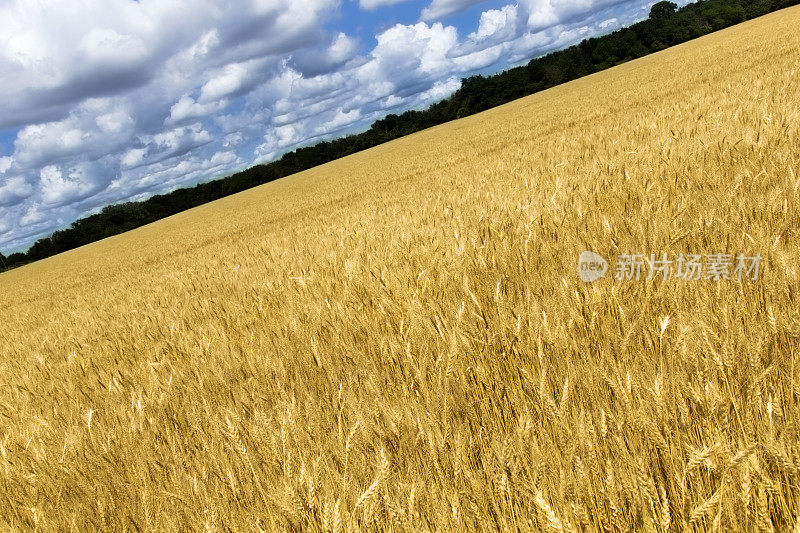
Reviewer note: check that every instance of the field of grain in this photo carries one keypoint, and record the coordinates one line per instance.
(400, 341)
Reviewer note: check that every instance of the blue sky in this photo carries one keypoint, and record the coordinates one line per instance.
(113, 100)
(365, 23)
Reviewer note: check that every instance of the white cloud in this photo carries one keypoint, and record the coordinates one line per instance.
(93, 129)
(441, 8)
(278, 140)
(223, 158)
(14, 190)
(170, 143)
(610, 23)
(406, 53)
(374, 4)
(133, 157)
(105, 45)
(33, 215)
(342, 48)
(187, 109)
(60, 186)
(6, 163)
(339, 121)
(233, 139)
(180, 138)
(227, 81)
(114, 122)
(440, 90)
(498, 25)
(45, 141)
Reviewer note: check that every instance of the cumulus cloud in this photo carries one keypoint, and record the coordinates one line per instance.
(170, 143)
(93, 129)
(34, 216)
(133, 158)
(14, 190)
(5, 164)
(606, 24)
(60, 185)
(187, 109)
(407, 53)
(498, 25)
(225, 82)
(233, 139)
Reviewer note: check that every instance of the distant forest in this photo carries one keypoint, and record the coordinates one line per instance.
(666, 26)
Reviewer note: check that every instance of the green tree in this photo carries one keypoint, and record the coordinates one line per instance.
(663, 10)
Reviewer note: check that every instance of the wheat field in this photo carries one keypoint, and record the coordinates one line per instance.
(400, 341)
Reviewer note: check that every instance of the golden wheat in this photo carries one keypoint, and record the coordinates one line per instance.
(241, 366)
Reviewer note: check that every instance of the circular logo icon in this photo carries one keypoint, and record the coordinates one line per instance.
(591, 266)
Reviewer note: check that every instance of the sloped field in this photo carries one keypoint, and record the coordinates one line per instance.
(400, 339)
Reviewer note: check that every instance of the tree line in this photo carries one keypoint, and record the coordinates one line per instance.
(666, 26)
